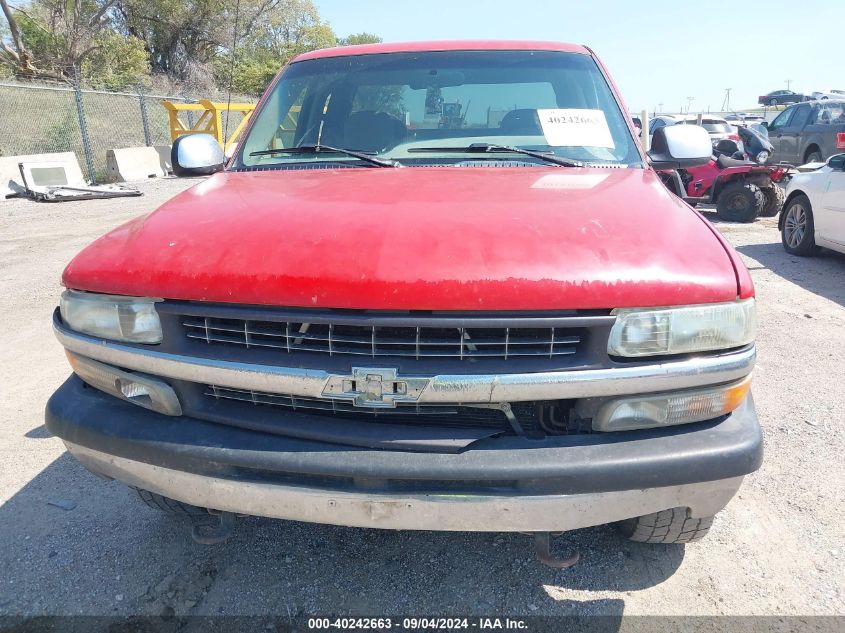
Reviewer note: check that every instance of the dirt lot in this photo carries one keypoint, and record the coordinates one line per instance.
(778, 548)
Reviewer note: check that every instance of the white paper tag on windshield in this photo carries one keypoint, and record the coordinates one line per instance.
(575, 127)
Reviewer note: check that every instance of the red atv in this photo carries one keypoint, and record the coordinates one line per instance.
(741, 188)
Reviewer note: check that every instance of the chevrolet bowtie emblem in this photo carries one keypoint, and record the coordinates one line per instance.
(374, 387)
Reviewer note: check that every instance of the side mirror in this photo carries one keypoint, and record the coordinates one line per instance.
(837, 162)
(679, 146)
(196, 155)
(765, 124)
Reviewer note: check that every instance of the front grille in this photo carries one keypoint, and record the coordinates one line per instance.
(418, 342)
(533, 419)
(345, 342)
(435, 415)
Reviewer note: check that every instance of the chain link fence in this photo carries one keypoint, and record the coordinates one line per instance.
(38, 119)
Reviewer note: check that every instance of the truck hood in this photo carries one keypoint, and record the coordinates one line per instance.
(436, 238)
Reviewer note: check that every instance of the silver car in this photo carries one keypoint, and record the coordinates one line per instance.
(827, 94)
(717, 127)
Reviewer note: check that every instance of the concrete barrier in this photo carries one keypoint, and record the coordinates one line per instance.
(130, 164)
(164, 158)
(11, 182)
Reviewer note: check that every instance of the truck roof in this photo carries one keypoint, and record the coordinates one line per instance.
(450, 45)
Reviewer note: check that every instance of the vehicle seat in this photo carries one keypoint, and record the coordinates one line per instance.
(371, 131)
(522, 121)
(726, 147)
(725, 161)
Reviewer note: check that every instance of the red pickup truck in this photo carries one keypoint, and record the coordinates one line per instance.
(439, 286)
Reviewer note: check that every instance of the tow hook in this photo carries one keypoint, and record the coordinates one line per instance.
(213, 528)
(542, 548)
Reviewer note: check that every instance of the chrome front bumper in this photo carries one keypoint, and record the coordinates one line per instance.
(445, 512)
(467, 389)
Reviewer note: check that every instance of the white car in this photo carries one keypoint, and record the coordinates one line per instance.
(718, 128)
(828, 94)
(814, 212)
(743, 119)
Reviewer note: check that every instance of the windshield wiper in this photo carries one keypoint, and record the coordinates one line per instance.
(317, 149)
(487, 148)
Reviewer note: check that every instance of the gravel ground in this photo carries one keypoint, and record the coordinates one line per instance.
(71, 543)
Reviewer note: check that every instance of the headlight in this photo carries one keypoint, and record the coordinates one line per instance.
(113, 317)
(699, 328)
(762, 157)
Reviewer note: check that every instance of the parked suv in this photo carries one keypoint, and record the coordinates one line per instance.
(438, 287)
(808, 132)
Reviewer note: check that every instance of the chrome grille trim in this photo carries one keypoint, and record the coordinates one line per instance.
(660, 375)
(334, 406)
(419, 341)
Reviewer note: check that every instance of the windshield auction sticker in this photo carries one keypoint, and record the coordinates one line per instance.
(575, 128)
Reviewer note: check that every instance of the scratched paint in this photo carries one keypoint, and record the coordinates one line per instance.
(424, 239)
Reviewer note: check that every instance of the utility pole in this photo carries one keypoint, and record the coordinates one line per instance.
(788, 81)
(726, 104)
(660, 106)
(689, 103)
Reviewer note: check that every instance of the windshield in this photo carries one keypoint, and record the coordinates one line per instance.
(714, 126)
(394, 105)
(717, 128)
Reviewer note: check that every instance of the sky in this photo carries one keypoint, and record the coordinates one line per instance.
(657, 52)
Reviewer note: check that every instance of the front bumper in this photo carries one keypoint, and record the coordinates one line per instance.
(500, 484)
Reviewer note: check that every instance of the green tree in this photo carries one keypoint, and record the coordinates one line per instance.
(118, 62)
(63, 38)
(359, 38)
(117, 43)
(5, 69)
(251, 76)
(179, 35)
(14, 55)
(288, 28)
(189, 39)
(297, 31)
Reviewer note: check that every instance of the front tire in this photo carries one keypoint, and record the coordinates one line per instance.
(166, 504)
(798, 232)
(773, 102)
(775, 197)
(669, 526)
(813, 157)
(740, 202)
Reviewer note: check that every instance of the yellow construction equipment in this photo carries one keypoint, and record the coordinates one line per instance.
(210, 120)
